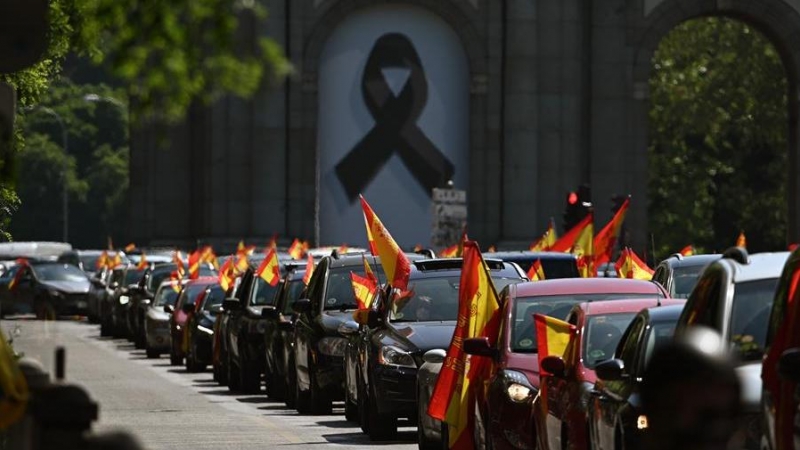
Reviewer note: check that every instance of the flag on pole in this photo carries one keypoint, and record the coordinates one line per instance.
(395, 263)
(583, 249)
(273, 242)
(269, 270)
(309, 270)
(630, 266)
(296, 249)
(142, 262)
(606, 239)
(226, 275)
(741, 241)
(687, 251)
(364, 290)
(22, 265)
(450, 252)
(536, 272)
(553, 338)
(177, 258)
(566, 242)
(102, 261)
(453, 399)
(548, 239)
(194, 265)
(130, 247)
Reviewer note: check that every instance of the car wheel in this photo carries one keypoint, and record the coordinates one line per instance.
(382, 427)
(234, 380)
(276, 386)
(151, 353)
(190, 364)
(302, 399)
(174, 359)
(105, 328)
(363, 407)
(222, 368)
(320, 403)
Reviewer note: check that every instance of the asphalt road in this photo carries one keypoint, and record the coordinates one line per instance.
(167, 408)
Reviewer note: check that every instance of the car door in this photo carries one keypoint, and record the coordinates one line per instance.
(304, 326)
(613, 394)
(556, 388)
(235, 316)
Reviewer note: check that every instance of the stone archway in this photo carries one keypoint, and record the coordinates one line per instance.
(774, 18)
(305, 152)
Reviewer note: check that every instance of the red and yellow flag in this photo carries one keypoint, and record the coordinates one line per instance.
(309, 270)
(548, 239)
(687, 251)
(395, 263)
(194, 264)
(177, 258)
(273, 242)
(207, 255)
(629, 265)
(142, 262)
(269, 270)
(22, 263)
(130, 247)
(226, 275)
(583, 249)
(343, 248)
(296, 249)
(567, 242)
(536, 272)
(241, 265)
(368, 271)
(453, 399)
(741, 241)
(553, 338)
(102, 261)
(450, 252)
(115, 261)
(606, 239)
(364, 290)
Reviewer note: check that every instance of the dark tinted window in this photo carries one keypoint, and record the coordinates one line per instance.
(752, 302)
(295, 288)
(601, 336)
(190, 293)
(89, 262)
(627, 349)
(59, 272)
(684, 280)
(166, 295)
(660, 333)
(703, 306)
(558, 268)
(339, 290)
(263, 293)
(433, 299)
(132, 276)
(214, 297)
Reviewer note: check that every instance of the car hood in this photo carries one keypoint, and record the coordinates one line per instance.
(68, 287)
(330, 321)
(421, 336)
(750, 379)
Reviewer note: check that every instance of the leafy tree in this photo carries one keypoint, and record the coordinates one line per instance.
(718, 149)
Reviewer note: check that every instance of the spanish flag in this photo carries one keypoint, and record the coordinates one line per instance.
(453, 399)
(115, 261)
(630, 266)
(175, 277)
(194, 265)
(177, 258)
(102, 261)
(536, 272)
(273, 242)
(553, 338)
(296, 249)
(548, 239)
(142, 262)
(22, 263)
(741, 241)
(583, 249)
(566, 242)
(226, 276)
(395, 263)
(130, 247)
(607, 237)
(687, 251)
(364, 290)
(309, 270)
(241, 265)
(368, 270)
(450, 252)
(268, 270)
(208, 256)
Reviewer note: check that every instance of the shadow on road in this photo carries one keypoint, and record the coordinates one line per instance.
(358, 438)
(336, 423)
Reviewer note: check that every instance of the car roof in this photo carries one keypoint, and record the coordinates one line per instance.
(666, 313)
(586, 286)
(356, 259)
(296, 274)
(434, 268)
(760, 266)
(203, 281)
(526, 254)
(678, 260)
(626, 305)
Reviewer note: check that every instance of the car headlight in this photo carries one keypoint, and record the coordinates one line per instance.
(393, 356)
(205, 330)
(332, 346)
(124, 299)
(518, 388)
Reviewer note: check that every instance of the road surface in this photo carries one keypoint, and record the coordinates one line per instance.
(167, 408)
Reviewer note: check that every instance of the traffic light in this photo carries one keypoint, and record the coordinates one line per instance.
(579, 203)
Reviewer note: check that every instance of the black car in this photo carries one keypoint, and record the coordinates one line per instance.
(49, 289)
(180, 315)
(397, 333)
(121, 304)
(244, 331)
(615, 419)
(318, 354)
(86, 260)
(200, 328)
(279, 337)
(554, 264)
(678, 274)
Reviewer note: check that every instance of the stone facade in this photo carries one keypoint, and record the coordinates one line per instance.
(558, 97)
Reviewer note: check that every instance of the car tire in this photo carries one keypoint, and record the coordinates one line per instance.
(234, 378)
(222, 368)
(191, 366)
(320, 403)
(276, 386)
(174, 359)
(151, 353)
(105, 329)
(382, 427)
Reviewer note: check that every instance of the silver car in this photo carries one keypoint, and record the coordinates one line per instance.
(156, 319)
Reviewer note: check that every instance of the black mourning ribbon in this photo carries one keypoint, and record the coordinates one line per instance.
(395, 122)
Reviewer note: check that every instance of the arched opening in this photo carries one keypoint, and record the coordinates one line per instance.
(718, 138)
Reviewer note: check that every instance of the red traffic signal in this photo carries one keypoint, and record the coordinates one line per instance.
(572, 198)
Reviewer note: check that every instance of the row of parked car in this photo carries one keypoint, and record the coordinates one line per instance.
(303, 344)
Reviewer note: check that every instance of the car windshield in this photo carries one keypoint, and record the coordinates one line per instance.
(601, 336)
(89, 262)
(660, 333)
(523, 337)
(295, 288)
(166, 295)
(431, 299)
(339, 292)
(752, 303)
(684, 279)
(133, 276)
(214, 297)
(263, 293)
(58, 272)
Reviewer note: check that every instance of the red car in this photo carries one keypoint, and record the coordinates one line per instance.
(506, 409)
(570, 383)
(180, 314)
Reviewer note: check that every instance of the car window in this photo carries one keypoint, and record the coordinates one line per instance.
(626, 351)
(59, 272)
(752, 303)
(602, 333)
(214, 297)
(166, 295)
(558, 268)
(684, 280)
(431, 299)
(339, 290)
(294, 289)
(523, 337)
(788, 285)
(89, 262)
(262, 293)
(703, 306)
(190, 293)
(659, 334)
(132, 276)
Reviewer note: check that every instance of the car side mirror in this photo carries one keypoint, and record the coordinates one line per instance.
(230, 304)
(269, 312)
(435, 356)
(789, 365)
(479, 346)
(188, 308)
(169, 309)
(348, 328)
(301, 306)
(610, 370)
(554, 365)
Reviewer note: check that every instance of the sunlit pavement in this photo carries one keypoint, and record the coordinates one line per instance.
(169, 408)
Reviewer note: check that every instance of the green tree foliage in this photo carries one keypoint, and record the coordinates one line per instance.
(718, 149)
